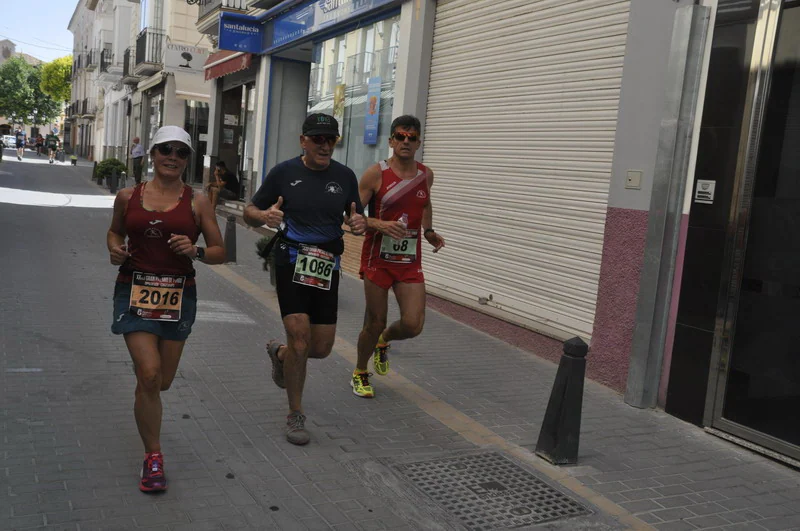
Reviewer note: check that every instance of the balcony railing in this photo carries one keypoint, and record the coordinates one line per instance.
(87, 107)
(91, 59)
(335, 76)
(106, 59)
(128, 68)
(207, 6)
(149, 49)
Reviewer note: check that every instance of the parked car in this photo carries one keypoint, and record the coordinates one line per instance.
(10, 141)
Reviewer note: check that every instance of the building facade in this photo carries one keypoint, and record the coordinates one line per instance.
(618, 170)
(138, 66)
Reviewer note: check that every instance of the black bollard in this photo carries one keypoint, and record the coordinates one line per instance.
(230, 239)
(112, 184)
(94, 174)
(561, 428)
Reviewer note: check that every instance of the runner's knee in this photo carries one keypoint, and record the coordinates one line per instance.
(413, 324)
(375, 323)
(320, 350)
(298, 345)
(149, 379)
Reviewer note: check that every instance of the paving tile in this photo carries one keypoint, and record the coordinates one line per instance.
(673, 475)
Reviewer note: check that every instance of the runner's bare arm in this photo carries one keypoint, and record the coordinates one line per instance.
(427, 219)
(370, 184)
(115, 239)
(215, 250)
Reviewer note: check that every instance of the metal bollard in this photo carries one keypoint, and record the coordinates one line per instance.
(230, 239)
(113, 182)
(95, 177)
(560, 434)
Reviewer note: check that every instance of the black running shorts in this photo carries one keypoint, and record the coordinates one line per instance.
(321, 306)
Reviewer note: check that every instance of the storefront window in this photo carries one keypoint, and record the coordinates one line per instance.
(249, 100)
(155, 112)
(352, 79)
(196, 124)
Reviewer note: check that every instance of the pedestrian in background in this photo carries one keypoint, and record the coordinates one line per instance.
(137, 153)
(155, 298)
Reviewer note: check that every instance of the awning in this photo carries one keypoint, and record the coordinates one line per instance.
(192, 87)
(226, 62)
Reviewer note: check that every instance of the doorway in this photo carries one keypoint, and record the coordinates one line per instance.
(755, 376)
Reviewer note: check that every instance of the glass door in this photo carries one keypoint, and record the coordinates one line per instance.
(758, 337)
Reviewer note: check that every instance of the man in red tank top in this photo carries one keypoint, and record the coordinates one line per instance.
(398, 192)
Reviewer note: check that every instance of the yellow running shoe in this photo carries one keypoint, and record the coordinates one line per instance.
(380, 358)
(360, 384)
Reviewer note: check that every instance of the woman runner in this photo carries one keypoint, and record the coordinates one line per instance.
(155, 297)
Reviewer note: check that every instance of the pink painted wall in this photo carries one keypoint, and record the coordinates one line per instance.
(615, 316)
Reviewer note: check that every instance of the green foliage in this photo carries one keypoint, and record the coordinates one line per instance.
(56, 78)
(105, 168)
(21, 98)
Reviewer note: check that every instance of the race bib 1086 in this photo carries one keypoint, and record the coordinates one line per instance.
(314, 267)
(157, 297)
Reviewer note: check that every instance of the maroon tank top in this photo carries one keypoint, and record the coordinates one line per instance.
(148, 232)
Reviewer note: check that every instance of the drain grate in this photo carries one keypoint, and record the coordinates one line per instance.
(488, 491)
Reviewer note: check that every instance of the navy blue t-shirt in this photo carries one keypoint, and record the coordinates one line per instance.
(314, 201)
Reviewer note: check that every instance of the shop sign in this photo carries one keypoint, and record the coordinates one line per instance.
(182, 58)
(317, 15)
(240, 34)
(372, 116)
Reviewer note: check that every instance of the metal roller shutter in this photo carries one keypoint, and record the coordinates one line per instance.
(520, 128)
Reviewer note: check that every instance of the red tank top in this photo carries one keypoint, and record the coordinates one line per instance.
(148, 233)
(396, 197)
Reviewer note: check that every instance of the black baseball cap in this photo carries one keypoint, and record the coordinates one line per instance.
(321, 124)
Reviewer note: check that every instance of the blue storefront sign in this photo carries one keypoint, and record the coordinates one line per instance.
(373, 114)
(240, 34)
(316, 15)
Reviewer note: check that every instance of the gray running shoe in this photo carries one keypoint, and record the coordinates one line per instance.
(277, 365)
(296, 428)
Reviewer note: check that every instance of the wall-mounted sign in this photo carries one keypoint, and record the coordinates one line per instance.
(372, 116)
(230, 119)
(240, 34)
(704, 193)
(182, 58)
(316, 15)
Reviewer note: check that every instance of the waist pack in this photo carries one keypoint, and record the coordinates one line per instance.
(335, 247)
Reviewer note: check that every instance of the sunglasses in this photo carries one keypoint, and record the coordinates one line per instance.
(400, 136)
(167, 149)
(322, 139)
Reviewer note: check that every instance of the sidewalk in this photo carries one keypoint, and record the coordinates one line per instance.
(457, 401)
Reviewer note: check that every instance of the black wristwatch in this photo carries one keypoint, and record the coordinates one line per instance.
(427, 231)
(201, 253)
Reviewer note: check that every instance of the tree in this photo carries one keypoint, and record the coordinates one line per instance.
(56, 78)
(21, 98)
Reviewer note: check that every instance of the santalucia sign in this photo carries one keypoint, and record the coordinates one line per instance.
(316, 15)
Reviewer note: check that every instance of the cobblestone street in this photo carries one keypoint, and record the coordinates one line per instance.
(71, 454)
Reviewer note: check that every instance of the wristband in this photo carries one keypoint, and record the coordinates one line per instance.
(425, 233)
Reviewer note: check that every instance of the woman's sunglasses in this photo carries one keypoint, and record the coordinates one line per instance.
(167, 149)
(322, 139)
(400, 136)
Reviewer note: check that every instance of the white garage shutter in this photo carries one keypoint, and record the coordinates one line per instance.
(520, 130)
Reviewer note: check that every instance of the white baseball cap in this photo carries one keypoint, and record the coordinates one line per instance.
(168, 133)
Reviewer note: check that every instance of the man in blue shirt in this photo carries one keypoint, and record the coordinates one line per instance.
(307, 199)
